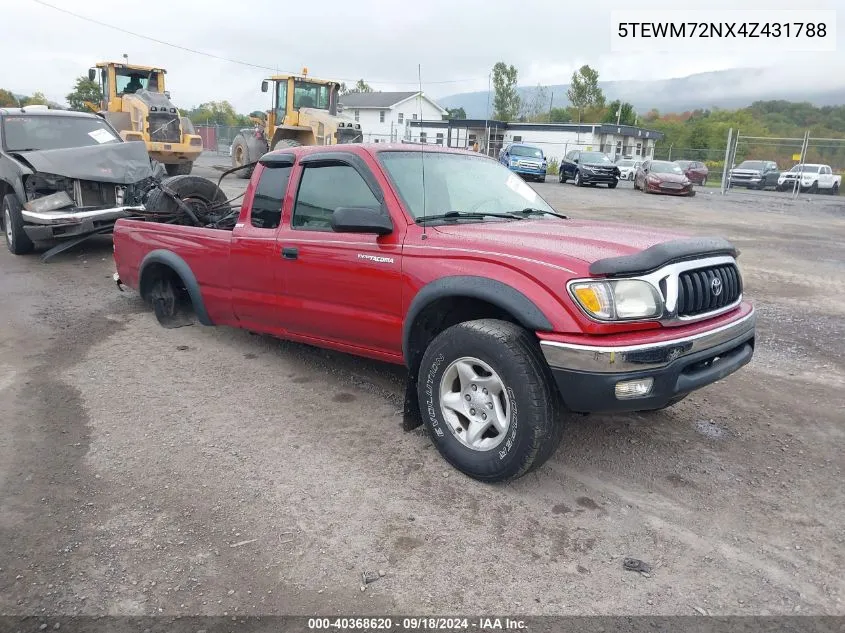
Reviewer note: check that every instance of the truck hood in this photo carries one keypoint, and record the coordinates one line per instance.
(120, 163)
(570, 243)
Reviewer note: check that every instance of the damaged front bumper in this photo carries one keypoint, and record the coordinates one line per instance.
(73, 222)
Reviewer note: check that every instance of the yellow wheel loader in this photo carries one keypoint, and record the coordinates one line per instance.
(305, 111)
(136, 103)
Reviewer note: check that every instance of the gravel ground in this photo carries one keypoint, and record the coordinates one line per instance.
(209, 471)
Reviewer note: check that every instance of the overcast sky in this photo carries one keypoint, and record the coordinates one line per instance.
(456, 43)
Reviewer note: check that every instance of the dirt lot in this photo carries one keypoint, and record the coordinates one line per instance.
(199, 470)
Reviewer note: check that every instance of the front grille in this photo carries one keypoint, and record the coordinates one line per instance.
(528, 164)
(697, 290)
(95, 194)
(164, 127)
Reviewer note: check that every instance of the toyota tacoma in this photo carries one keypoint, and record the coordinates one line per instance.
(507, 314)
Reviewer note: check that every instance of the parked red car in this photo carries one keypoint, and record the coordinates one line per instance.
(661, 176)
(505, 312)
(695, 170)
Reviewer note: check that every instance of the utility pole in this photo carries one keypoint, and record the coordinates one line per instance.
(487, 120)
(618, 113)
(551, 103)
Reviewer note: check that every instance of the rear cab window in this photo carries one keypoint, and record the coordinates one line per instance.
(269, 196)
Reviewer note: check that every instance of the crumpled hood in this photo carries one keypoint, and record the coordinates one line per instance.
(120, 163)
(562, 242)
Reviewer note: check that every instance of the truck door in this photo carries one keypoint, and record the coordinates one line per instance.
(256, 273)
(344, 287)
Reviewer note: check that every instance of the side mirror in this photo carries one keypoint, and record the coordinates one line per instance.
(361, 220)
(575, 161)
(167, 93)
(264, 86)
(92, 74)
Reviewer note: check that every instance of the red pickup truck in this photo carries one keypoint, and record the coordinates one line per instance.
(506, 313)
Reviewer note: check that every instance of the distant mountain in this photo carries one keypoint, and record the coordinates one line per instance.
(727, 89)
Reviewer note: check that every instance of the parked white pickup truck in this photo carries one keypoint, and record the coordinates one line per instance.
(811, 177)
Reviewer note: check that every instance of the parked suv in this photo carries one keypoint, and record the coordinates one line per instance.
(588, 168)
(525, 160)
(628, 167)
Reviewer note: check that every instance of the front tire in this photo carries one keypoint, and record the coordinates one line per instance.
(561, 178)
(17, 241)
(488, 400)
(834, 191)
(814, 188)
(612, 185)
(578, 181)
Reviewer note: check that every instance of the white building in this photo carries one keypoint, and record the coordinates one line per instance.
(385, 116)
(555, 139)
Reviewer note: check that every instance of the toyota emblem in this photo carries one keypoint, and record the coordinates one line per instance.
(716, 286)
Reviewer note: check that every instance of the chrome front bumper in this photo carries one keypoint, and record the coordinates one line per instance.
(77, 217)
(600, 359)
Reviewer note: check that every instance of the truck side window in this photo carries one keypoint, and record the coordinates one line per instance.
(322, 189)
(269, 193)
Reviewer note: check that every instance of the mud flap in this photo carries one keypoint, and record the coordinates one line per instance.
(411, 414)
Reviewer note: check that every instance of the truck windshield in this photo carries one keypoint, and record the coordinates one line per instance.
(521, 150)
(457, 182)
(29, 133)
(751, 164)
(310, 95)
(807, 169)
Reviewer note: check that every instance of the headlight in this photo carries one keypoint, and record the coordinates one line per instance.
(618, 300)
(513, 162)
(653, 179)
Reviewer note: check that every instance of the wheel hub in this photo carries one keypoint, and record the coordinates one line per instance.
(474, 404)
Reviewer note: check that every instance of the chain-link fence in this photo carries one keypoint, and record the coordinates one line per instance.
(218, 138)
(782, 166)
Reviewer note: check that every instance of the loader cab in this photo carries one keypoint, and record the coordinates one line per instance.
(291, 93)
(117, 80)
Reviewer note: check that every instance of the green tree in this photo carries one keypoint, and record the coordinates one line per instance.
(506, 101)
(217, 113)
(360, 86)
(84, 90)
(7, 99)
(36, 98)
(455, 113)
(621, 111)
(584, 92)
(560, 115)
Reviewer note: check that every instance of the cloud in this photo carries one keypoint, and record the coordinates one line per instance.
(455, 43)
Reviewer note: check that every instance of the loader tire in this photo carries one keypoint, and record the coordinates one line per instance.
(285, 142)
(179, 169)
(240, 156)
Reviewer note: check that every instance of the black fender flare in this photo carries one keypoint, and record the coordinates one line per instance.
(181, 268)
(492, 291)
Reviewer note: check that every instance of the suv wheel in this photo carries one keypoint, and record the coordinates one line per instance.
(489, 400)
(578, 181)
(561, 178)
(17, 241)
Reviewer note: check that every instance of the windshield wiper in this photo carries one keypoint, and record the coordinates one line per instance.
(467, 215)
(25, 149)
(533, 211)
